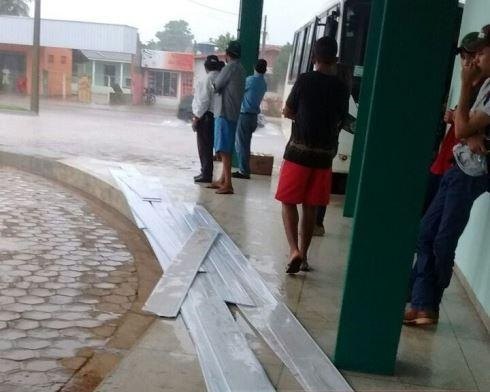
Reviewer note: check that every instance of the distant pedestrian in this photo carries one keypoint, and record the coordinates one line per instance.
(230, 84)
(255, 89)
(203, 118)
(318, 104)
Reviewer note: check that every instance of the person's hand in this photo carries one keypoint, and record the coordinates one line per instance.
(476, 143)
(195, 120)
(470, 74)
(449, 117)
(288, 113)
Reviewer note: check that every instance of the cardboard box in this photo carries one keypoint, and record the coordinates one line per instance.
(261, 164)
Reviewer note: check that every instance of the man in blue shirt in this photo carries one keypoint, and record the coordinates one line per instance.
(255, 88)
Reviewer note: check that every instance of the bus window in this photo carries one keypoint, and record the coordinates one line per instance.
(354, 32)
(292, 60)
(332, 24)
(298, 51)
(320, 29)
(328, 25)
(306, 58)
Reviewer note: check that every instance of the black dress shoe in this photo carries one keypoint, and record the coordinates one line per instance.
(237, 174)
(202, 179)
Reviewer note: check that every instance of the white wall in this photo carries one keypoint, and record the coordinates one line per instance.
(67, 34)
(473, 253)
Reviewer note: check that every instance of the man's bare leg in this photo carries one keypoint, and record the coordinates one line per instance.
(226, 186)
(221, 180)
(290, 219)
(307, 226)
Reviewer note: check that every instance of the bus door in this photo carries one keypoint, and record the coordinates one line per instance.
(321, 27)
(353, 40)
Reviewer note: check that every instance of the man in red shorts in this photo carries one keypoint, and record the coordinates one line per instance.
(318, 104)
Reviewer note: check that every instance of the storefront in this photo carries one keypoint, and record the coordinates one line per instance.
(168, 75)
(12, 71)
(103, 53)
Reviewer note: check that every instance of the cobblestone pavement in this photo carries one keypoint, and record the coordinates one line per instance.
(65, 280)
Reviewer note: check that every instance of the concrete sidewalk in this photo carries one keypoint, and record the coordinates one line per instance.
(455, 355)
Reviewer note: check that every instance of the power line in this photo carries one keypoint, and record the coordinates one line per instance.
(212, 8)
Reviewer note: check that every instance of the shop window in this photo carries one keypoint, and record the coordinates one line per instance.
(163, 83)
(109, 75)
(170, 80)
(187, 83)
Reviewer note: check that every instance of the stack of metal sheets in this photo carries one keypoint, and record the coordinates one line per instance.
(203, 271)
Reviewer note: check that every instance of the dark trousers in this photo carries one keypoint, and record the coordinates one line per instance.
(440, 229)
(320, 215)
(247, 124)
(432, 188)
(205, 141)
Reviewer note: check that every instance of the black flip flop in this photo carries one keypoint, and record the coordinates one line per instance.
(294, 265)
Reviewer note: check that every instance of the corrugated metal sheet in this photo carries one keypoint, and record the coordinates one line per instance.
(68, 34)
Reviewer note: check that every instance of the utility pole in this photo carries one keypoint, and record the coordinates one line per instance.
(35, 58)
(264, 37)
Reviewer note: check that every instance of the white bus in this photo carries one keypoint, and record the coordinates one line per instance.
(348, 22)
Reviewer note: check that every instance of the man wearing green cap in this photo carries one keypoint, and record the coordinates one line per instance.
(445, 158)
(449, 212)
(230, 85)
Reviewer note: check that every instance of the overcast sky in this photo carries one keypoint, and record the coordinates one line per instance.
(149, 16)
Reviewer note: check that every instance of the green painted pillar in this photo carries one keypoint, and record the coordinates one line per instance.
(357, 155)
(249, 25)
(250, 22)
(409, 70)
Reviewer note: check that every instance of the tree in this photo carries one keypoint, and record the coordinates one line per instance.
(14, 7)
(222, 41)
(281, 67)
(151, 44)
(176, 36)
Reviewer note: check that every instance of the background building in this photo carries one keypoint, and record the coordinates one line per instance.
(169, 75)
(105, 53)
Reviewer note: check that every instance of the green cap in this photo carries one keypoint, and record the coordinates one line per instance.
(469, 43)
(483, 39)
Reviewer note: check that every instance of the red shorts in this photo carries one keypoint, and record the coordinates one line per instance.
(304, 185)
